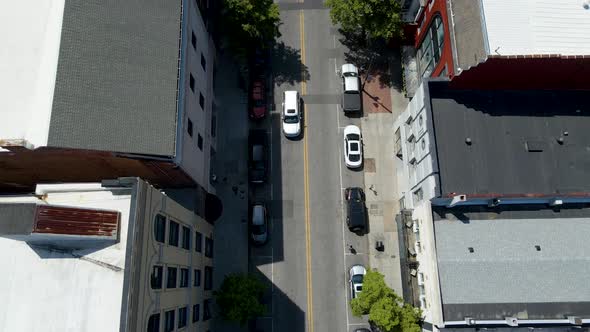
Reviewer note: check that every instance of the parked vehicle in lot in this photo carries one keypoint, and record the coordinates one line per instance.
(351, 93)
(291, 114)
(356, 276)
(257, 159)
(353, 147)
(259, 224)
(257, 108)
(356, 217)
(362, 330)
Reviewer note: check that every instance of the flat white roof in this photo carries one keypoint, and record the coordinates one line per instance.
(516, 27)
(45, 290)
(30, 32)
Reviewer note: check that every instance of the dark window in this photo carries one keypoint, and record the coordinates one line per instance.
(157, 277)
(173, 234)
(192, 82)
(189, 128)
(198, 242)
(171, 279)
(182, 312)
(160, 228)
(197, 278)
(183, 278)
(154, 323)
(196, 312)
(186, 238)
(206, 311)
(200, 142)
(202, 101)
(169, 321)
(208, 278)
(194, 40)
(203, 62)
(208, 247)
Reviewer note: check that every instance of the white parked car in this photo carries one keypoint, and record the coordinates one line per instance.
(356, 274)
(291, 114)
(353, 147)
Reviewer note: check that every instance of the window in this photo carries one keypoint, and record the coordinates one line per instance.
(197, 278)
(198, 242)
(200, 142)
(171, 279)
(186, 238)
(196, 312)
(157, 277)
(202, 101)
(423, 144)
(160, 228)
(208, 278)
(192, 82)
(203, 62)
(154, 323)
(194, 40)
(182, 312)
(173, 234)
(169, 321)
(183, 278)
(189, 128)
(206, 311)
(430, 49)
(208, 247)
(418, 195)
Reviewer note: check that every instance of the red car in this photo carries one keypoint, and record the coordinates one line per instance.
(257, 99)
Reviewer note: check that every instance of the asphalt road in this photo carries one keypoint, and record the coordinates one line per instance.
(307, 258)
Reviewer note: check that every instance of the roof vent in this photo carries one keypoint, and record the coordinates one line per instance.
(575, 320)
(512, 321)
(471, 250)
(535, 146)
(469, 321)
(565, 133)
(468, 140)
(556, 202)
(538, 247)
(494, 202)
(457, 199)
(560, 140)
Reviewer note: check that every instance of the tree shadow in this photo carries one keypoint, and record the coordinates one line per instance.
(374, 58)
(286, 65)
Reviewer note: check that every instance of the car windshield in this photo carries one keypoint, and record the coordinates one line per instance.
(354, 157)
(353, 137)
(351, 92)
(258, 229)
(350, 74)
(291, 119)
(357, 278)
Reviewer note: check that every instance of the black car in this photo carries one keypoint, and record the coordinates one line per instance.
(356, 218)
(257, 160)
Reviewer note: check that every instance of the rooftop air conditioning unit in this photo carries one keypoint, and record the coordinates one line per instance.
(575, 320)
(512, 321)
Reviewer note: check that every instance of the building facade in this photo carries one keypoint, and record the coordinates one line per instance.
(98, 91)
(116, 256)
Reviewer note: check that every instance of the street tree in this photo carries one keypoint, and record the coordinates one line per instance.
(239, 298)
(386, 309)
(375, 18)
(246, 24)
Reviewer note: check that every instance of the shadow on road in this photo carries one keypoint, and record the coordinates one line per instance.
(287, 66)
(372, 57)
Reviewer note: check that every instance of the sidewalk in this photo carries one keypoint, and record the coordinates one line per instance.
(230, 166)
(381, 105)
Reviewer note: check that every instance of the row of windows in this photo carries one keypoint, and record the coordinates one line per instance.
(201, 97)
(170, 321)
(189, 129)
(430, 49)
(173, 278)
(194, 43)
(174, 236)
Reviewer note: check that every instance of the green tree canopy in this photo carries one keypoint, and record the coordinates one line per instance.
(248, 23)
(385, 308)
(239, 297)
(378, 18)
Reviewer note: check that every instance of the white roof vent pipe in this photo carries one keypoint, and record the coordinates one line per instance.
(457, 199)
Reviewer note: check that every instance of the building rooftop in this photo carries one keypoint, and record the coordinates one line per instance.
(74, 290)
(518, 27)
(514, 140)
(518, 262)
(89, 76)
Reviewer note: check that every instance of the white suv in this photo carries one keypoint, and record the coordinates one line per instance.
(291, 114)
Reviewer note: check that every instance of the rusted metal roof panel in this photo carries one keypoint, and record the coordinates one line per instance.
(76, 221)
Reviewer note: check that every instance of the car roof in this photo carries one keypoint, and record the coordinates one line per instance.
(351, 84)
(257, 152)
(352, 129)
(358, 269)
(291, 100)
(349, 67)
(258, 214)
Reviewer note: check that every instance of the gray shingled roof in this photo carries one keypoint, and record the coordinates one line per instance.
(503, 126)
(506, 275)
(117, 77)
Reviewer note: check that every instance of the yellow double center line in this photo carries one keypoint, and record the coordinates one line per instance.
(306, 183)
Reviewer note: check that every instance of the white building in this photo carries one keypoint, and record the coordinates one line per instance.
(112, 89)
(480, 174)
(116, 256)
